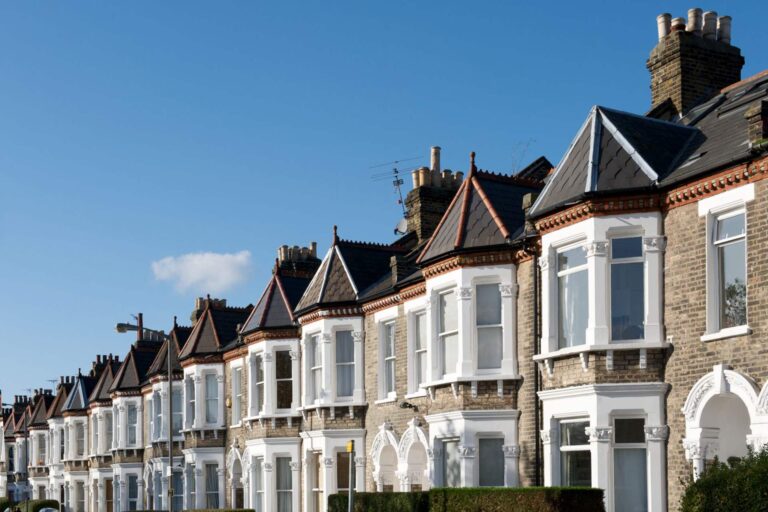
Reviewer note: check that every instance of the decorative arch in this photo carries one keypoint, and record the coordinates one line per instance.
(234, 456)
(410, 471)
(702, 442)
(384, 439)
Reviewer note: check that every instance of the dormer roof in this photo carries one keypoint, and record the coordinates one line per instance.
(100, 391)
(79, 396)
(177, 338)
(40, 410)
(62, 392)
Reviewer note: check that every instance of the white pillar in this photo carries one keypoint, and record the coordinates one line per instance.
(295, 483)
(551, 468)
(102, 496)
(656, 440)
(509, 330)
(465, 356)
(221, 395)
(467, 457)
(654, 287)
(329, 474)
(199, 402)
(358, 395)
(270, 387)
(328, 393)
(199, 488)
(359, 470)
(600, 445)
(221, 472)
(295, 372)
(511, 460)
(252, 385)
(597, 273)
(269, 485)
(549, 337)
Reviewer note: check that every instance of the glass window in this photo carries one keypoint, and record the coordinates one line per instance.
(80, 496)
(133, 492)
(315, 367)
(420, 349)
(491, 461)
(212, 485)
(190, 397)
(41, 449)
(730, 247)
(157, 490)
(157, 418)
(177, 411)
(342, 472)
(259, 382)
(345, 364)
(627, 289)
(133, 422)
(109, 494)
(95, 429)
(236, 394)
(575, 457)
(318, 481)
(178, 488)
(629, 465)
(190, 487)
(284, 484)
(388, 346)
(489, 332)
(80, 439)
(448, 326)
(211, 398)
(258, 484)
(572, 297)
(284, 378)
(451, 463)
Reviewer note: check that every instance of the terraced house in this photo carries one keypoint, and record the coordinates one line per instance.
(595, 323)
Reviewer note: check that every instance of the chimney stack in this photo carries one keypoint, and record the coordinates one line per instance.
(434, 161)
(692, 63)
(757, 125)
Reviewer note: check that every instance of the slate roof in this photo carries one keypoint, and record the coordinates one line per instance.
(100, 391)
(40, 410)
(62, 392)
(79, 396)
(215, 329)
(617, 152)
(486, 212)
(178, 338)
(133, 372)
(276, 304)
(348, 269)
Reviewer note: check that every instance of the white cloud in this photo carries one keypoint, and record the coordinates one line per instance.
(204, 272)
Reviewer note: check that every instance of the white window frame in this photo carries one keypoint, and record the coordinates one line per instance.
(236, 372)
(259, 385)
(258, 484)
(564, 273)
(441, 335)
(390, 361)
(384, 320)
(444, 461)
(719, 206)
(628, 446)
(487, 281)
(131, 428)
(214, 399)
(315, 366)
(277, 380)
(288, 491)
(481, 437)
(572, 448)
(623, 261)
(189, 397)
(335, 365)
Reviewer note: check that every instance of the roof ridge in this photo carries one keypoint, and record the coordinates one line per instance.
(510, 178)
(370, 245)
(640, 116)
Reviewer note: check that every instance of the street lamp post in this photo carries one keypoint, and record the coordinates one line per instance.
(140, 330)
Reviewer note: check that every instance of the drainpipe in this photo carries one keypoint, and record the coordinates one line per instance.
(536, 374)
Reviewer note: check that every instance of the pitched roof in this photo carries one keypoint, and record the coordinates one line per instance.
(133, 372)
(100, 391)
(486, 212)
(275, 307)
(177, 338)
(78, 398)
(215, 328)
(614, 151)
(347, 269)
(40, 410)
(62, 392)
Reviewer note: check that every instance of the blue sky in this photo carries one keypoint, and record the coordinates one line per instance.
(136, 131)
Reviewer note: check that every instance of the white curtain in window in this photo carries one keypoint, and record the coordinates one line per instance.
(420, 337)
(132, 425)
(451, 464)
(258, 485)
(488, 317)
(345, 363)
(491, 460)
(284, 484)
(177, 411)
(449, 335)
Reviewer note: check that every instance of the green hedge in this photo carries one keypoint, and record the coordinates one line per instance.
(220, 510)
(477, 499)
(36, 505)
(740, 485)
(381, 502)
(5, 503)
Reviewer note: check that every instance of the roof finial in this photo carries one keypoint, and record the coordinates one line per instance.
(472, 168)
(276, 270)
(335, 234)
(175, 324)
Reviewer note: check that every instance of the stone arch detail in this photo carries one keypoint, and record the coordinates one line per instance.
(385, 437)
(413, 435)
(233, 456)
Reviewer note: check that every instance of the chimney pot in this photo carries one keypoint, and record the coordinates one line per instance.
(710, 25)
(678, 24)
(664, 24)
(447, 181)
(434, 162)
(724, 29)
(313, 249)
(694, 21)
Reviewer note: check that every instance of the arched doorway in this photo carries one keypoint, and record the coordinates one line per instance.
(387, 468)
(384, 456)
(235, 470)
(413, 467)
(726, 418)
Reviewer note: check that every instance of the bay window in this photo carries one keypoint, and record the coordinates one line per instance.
(177, 411)
(573, 297)
(342, 472)
(95, 437)
(157, 417)
(133, 492)
(237, 394)
(420, 350)
(41, 450)
(211, 486)
(79, 496)
(133, 423)
(315, 361)
(284, 484)
(177, 483)
(190, 399)
(489, 329)
(627, 289)
(575, 455)
(258, 379)
(318, 482)
(211, 399)
(448, 331)
(387, 353)
(729, 241)
(630, 478)
(108, 430)
(490, 459)
(80, 439)
(284, 379)
(345, 364)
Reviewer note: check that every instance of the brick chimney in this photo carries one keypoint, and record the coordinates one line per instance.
(297, 261)
(433, 190)
(692, 61)
(202, 302)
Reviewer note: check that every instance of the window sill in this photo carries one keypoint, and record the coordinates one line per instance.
(328, 405)
(618, 346)
(471, 378)
(416, 394)
(388, 400)
(731, 332)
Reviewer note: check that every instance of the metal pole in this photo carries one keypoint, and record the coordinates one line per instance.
(351, 451)
(170, 426)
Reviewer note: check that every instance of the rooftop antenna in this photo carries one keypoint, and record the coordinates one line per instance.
(395, 175)
(521, 148)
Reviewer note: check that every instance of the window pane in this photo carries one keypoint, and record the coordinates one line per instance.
(491, 460)
(629, 430)
(733, 287)
(627, 301)
(448, 312)
(283, 484)
(488, 304)
(626, 247)
(571, 258)
(489, 351)
(317, 351)
(421, 368)
(345, 379)
(451, 464)
(630, 480)
(576, 468)
(284, 394)
(283, 364)
(450, 355)
(342, 471)
(389, 340)
(345, 348)
(421, 331)
(390, 375)
(211, 396)
(573, 304)
(212, 485)
(574, 434)
(730, 227)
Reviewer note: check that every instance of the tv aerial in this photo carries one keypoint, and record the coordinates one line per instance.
(395, 174)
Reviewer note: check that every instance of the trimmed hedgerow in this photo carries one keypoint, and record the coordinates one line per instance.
(5, 503)
(477, 499)
(34, 505)
(219, 510)
(381, 502)
(741, 485)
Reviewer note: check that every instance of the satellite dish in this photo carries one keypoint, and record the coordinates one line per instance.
(402, 227)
